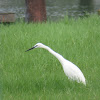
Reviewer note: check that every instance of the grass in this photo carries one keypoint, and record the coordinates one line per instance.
(37, 75)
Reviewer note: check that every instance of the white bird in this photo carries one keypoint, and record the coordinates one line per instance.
(70, 69)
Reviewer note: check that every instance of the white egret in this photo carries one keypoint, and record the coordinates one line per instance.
(70, 69)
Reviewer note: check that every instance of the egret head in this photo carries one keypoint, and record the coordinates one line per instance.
(38, 45)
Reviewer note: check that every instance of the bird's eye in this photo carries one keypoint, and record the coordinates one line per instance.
(36, 45)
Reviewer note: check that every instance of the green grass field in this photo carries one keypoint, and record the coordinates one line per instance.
(38, 75)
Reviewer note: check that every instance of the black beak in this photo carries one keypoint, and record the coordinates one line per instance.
(30, 48)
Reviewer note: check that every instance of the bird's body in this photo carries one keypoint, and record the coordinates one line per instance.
(70, 69)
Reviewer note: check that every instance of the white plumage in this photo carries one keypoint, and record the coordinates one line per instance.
(70, 69)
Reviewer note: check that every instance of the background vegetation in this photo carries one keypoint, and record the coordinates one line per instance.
(37, 75)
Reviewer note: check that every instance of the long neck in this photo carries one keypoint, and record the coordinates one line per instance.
(58, 56)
